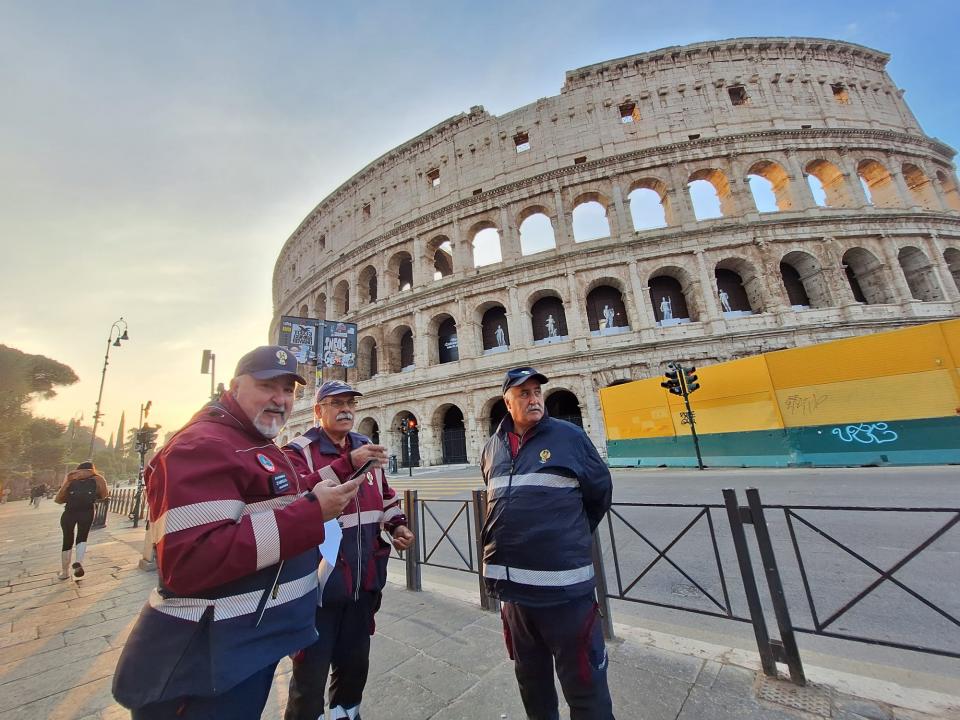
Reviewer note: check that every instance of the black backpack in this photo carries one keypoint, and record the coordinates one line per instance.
(82, 494)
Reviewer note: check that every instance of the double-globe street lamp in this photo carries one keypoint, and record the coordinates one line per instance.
(120, 327)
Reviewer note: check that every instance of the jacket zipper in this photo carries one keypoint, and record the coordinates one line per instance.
(356, 584)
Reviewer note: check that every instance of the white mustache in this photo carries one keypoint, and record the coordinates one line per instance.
(344, 416)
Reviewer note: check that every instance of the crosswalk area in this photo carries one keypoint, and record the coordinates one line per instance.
(433, 486)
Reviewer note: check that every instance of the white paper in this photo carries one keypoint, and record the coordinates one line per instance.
(332, 534)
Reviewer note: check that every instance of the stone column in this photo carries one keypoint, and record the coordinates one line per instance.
(852, 178)
(421, 348)
(800, 191)
(938, 265)
(474, 443)
(622, 224)
(892, 262)
(644, 311)
(709, 304)
(518, 321)
(577, 326)
(594, 416)
(776, 297)
(422, 268)
(679, 197)
(509, 238)
(840, 291)
(462, 250)
(562, 233)
(906, 197)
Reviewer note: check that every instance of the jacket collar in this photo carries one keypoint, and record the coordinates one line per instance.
(327, 446)
(226, 411)
(506, 426)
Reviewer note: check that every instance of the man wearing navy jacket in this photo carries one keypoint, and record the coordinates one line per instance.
(547, 490)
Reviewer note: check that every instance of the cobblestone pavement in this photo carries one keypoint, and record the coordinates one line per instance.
(436, 654)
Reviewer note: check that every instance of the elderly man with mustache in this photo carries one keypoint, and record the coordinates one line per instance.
(547, 490)
(350, 589)
(237, 529)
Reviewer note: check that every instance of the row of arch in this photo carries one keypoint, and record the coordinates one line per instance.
(674, 297)
(653, 204)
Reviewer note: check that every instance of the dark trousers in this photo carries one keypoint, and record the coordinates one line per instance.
(344, 645)
(241, 702)
(570, 636)
(79, 519)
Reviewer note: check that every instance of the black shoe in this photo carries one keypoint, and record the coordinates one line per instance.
(77, 569)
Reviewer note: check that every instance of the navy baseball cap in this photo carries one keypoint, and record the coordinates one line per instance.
(518, 376)
(269, 361)
(336, 387)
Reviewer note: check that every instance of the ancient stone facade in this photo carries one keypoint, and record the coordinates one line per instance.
(567, 235)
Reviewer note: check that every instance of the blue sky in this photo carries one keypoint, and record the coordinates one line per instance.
(155, 156)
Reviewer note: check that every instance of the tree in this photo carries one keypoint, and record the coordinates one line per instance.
(23, 378)
(44, 449)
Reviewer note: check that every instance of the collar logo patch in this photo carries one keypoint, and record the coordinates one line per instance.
(266, 462)
(369, 478)
(281, 357)
(544, 456)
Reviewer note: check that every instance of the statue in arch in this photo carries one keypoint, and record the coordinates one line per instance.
(725, 301)
(666, 308)
(551, 326)
(608, 315)
(501, 336)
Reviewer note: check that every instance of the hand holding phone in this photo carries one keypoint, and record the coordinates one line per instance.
(334, 498)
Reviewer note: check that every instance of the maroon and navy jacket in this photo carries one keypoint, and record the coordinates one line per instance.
(236, 532)
(362, 558)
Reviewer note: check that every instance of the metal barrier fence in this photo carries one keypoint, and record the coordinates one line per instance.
(641, 545)
(124, 501)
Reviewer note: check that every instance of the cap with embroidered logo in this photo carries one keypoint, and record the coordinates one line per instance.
(336, 387)
(269, 361)
(518, 376)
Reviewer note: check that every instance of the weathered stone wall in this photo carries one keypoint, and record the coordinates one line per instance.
(879, 248)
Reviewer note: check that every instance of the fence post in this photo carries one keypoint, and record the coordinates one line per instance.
(767, 659)
(412, 511)
(603, 600)
(788, 644)
(479, 515)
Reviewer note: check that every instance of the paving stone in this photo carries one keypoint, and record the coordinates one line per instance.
(474, 650)
(386, 653)
(18, 636)
(393, 696)
(495, 696)
(857, 708)
(705, 704)
(56, 680)
(60, 656)
(440, 678)
(655, 660)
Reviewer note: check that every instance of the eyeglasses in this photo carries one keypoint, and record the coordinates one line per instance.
(341, 404)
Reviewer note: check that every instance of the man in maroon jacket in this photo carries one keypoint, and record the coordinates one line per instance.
(349, 588)
(237, 530)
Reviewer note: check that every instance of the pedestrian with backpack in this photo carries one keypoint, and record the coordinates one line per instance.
(80, 490)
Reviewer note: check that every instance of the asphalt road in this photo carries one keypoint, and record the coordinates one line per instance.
(698, 581)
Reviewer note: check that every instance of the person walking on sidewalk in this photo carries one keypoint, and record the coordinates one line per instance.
(547, 490)
(236, 530)
(80, 490)
(36, 495)
(350, 589)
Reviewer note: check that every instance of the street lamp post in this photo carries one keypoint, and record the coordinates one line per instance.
(111, 342)
(208, 366)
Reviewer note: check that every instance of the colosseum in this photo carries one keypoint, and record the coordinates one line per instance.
(703, 203)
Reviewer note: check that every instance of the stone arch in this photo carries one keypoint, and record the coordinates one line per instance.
(537, 233)
(400, 271)
(304, 311)
(371, 428)
(444, 342)
(548, 317)
(491, 413)
(449, 425)
(320, 306)
(485, 240)
(563, 404)
(738, 278)
(920, 275)
(951, 256)
(878, 184)
(493, 315)
(703, 207)
(367, 285)
(776, 179)
(439, 255)
(804, 280)
(341, 299)
(948, 186)
(920, 188)
(400, 350)
(671, 296)
(830, 189)
(868, 281)
(589, 217)
(650, 204)
(409, 444)
(606, 311)
(367, 360)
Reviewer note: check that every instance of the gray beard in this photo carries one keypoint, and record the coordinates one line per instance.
(268, 428)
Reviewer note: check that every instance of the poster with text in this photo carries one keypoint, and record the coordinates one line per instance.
(301, 337)
(339, 347)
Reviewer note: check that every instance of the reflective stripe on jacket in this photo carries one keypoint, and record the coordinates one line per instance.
(542, 508)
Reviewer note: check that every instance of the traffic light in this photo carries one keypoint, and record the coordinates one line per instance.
(147, 437)
(411, 424)
(672, 383)
(690, 379)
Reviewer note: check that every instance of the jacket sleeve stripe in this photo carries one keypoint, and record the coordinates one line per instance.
(187, 608)
(328, 473)
(267, 536)
(392, 512)
(196, 514)
(271, 504)
(349, 520)
(550, 480)
(540, 578)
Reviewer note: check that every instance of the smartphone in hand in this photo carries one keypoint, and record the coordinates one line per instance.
(362, 470)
